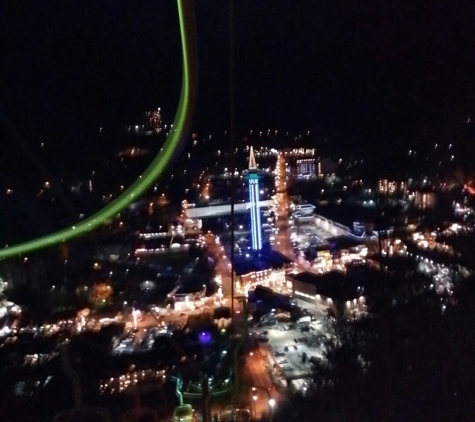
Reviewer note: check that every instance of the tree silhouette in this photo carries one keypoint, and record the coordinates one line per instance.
(431, 353)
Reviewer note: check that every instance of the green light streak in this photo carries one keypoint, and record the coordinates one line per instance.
(160, 162)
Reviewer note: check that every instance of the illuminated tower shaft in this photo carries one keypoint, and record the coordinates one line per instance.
(256, 228)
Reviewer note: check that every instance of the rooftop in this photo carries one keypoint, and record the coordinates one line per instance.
(259, 262)
(333, 285)
(344, 242)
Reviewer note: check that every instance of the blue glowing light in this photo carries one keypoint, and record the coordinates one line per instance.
(205, 338)
(255, 212)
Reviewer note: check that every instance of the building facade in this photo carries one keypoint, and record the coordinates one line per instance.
(270, 277)
(424, 200)
(306, 167)
(391, 187)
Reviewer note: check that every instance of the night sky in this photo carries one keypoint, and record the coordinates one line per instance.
(367, 73)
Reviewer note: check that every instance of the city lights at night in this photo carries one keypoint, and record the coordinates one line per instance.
(236, 211)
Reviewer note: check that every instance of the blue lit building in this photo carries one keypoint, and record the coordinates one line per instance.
(263, 266)
(256, 227)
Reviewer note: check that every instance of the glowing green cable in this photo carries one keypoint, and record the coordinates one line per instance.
(158, 165)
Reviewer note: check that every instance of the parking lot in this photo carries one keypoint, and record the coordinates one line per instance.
(285, 348)
(308, 234)
(313, 230)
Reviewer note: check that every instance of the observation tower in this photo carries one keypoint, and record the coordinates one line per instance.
(256, 227)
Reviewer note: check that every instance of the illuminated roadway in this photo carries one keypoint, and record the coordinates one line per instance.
(223, 265)
(170, 149)
(282, 238)
(259, 397)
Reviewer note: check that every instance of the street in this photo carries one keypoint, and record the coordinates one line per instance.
(263, 390)
(282, 206)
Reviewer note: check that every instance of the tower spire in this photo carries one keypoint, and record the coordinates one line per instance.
(252, 160)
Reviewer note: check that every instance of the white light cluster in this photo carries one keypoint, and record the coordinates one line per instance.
(161, 249)
(123, 382)
(152, 235)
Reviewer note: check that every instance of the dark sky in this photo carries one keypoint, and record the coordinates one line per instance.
(365, 71)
